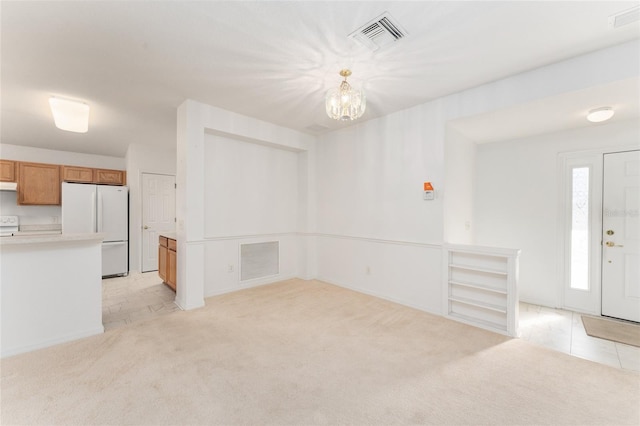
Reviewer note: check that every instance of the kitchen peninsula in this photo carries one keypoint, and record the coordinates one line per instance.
(50, 290)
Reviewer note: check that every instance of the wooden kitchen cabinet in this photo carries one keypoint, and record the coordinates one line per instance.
(110, 177)
(162, 258)
(167, 261)
(172, 261)
(7, 171)
(77, 174)
(39, 184)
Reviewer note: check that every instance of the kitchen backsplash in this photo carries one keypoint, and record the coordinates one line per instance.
(29, 215)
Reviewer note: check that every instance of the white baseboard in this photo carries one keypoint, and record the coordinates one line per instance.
(378, 295)
(51, 342)
(251, 284)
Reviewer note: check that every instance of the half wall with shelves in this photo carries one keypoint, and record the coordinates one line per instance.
(480, 287)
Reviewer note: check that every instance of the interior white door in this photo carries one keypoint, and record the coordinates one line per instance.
(621, 236)
(158, 214)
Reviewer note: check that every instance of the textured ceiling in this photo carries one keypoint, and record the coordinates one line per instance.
(134, 62)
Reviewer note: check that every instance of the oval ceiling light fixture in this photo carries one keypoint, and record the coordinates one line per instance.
(345, 103)
(70, 115)
(599, 115)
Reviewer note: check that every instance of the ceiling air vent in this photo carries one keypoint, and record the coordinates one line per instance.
(625, 17)
(380, 32)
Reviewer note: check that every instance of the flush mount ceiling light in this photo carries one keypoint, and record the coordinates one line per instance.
(600, 114)
(69, 115)
(345, 103)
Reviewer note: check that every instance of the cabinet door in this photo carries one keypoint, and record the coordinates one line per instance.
(172, 266)
(162, 262)
(77, 174)
(7, 171)
(38, 184)
(111, 177)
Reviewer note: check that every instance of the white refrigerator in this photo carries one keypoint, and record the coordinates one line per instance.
(100, 208)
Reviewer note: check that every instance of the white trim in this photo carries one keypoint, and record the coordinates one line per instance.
(250, 236)
(257, 282)
(52, 342)
(379, 240)
(376, 294)
(313, 234)
(594, 159)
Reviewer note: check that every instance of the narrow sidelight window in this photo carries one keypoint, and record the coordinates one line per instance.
(580, 228)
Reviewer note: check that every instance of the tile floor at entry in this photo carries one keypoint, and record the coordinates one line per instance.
(134, 298)
(143, 296)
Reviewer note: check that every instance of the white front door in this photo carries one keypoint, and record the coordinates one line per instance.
(581, 228)
(621, 236)
(158, 214)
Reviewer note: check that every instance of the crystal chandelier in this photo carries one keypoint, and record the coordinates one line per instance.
(345, 103)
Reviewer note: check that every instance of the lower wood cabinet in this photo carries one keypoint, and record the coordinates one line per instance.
(172, 267)
(162, 259)
(167, 261)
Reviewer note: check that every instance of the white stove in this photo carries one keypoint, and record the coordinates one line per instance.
(9, 225)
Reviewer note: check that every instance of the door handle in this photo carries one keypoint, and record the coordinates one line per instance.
(612, 244)
(145, 227)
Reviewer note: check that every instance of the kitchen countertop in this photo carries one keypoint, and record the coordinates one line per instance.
(49, 238)
(169, 235)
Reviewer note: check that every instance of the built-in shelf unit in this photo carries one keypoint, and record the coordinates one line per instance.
(481, 287)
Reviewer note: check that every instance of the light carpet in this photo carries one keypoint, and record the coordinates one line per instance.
(304, 352)
(608, 329)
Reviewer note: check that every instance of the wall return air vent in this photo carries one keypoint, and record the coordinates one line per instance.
(380, 32)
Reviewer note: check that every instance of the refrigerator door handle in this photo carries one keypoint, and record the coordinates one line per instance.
(100, 212)
(93, 209)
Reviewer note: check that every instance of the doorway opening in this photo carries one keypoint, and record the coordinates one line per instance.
(158, 215)
(600, 247)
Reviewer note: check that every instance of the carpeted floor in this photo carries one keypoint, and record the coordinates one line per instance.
(306, 353)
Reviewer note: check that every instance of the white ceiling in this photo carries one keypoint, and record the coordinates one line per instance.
(134, 62)
(561, 112)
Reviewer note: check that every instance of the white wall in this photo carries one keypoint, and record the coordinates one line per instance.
(249, 188)
(220, 155)
(460, 158)
(371, 230)
(371, 215)
(143, 159)
(516, 204)
(376, 234)
(40, 155)
(47, 214)
(250, 195)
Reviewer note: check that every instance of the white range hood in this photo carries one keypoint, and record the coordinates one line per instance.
(8, 186)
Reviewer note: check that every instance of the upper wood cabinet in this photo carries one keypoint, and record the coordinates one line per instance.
(111, 177)
(77, 174)
(7, 171)
(38, 184)
(89, 175)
